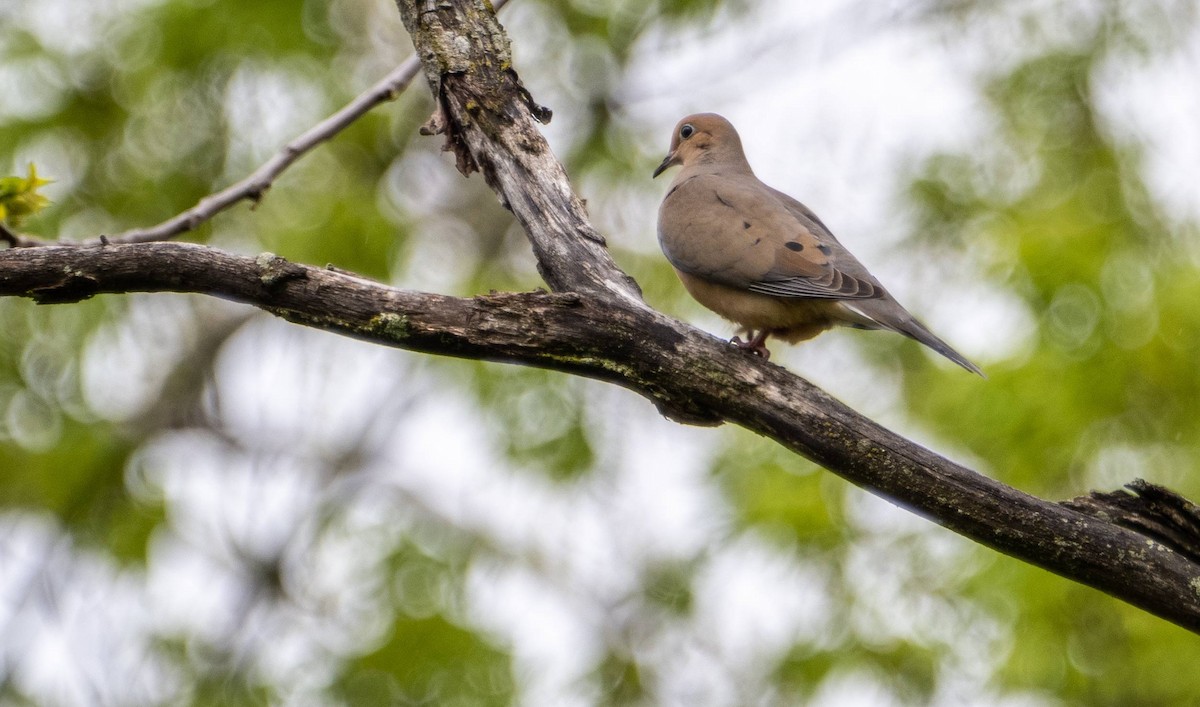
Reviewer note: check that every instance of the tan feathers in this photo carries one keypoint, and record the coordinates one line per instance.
(760, 258)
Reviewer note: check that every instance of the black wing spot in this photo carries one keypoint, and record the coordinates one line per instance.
(745, 224)
(756, 241)
(825, 249)
(794, 245)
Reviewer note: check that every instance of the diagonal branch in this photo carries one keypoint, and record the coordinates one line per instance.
(595, 325)
(688, 374)
(486, 122)
(485, 114)
(254, 186)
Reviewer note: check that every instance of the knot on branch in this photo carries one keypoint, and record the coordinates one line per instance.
(1154, 511)
(274, 271)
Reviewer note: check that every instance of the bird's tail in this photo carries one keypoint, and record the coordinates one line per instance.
(889, 314)
(917, 330)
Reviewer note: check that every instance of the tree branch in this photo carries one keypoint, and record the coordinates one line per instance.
(1149, 509)
(596, 325)
(688, 374)
(256, 184)
(16, 240)
(468, 68)
(485, 116)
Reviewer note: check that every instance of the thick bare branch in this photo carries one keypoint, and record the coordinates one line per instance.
(516, 327)
(596, 325)
(687, 373)
(486, 116)
(487, 124)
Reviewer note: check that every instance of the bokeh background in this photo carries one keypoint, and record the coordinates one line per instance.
(200, 504)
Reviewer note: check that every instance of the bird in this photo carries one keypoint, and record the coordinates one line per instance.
(761, 259)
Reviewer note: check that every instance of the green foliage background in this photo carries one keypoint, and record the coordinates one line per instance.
(154, 447)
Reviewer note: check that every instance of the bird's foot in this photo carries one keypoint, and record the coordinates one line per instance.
(756, 345)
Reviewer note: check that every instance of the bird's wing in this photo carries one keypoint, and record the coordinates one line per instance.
(738, 232)
(882, 312)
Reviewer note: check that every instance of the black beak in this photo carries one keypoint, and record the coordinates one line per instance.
(667, 162)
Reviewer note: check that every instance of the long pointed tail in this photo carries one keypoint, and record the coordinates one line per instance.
(917, 330)
(887, 313)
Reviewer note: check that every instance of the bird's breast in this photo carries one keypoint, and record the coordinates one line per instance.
(792, 319)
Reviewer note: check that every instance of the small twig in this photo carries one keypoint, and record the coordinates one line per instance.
(8, 236)
(16, 240)
(257, 183)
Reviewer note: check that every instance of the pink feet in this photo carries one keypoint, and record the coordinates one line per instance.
(756, 345)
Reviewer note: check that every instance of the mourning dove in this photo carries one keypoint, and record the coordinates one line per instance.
(758, 257)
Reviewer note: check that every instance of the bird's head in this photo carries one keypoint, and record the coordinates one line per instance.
(703, 137)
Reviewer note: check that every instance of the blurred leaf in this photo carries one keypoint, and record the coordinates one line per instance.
(545, 428)
(771, 489)
(908, 669)
(1114, 293)
(669, 586)
(429, 661)
(620, 681)
(19, 196)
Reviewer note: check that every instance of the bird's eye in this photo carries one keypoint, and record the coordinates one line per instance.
(686, 131)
